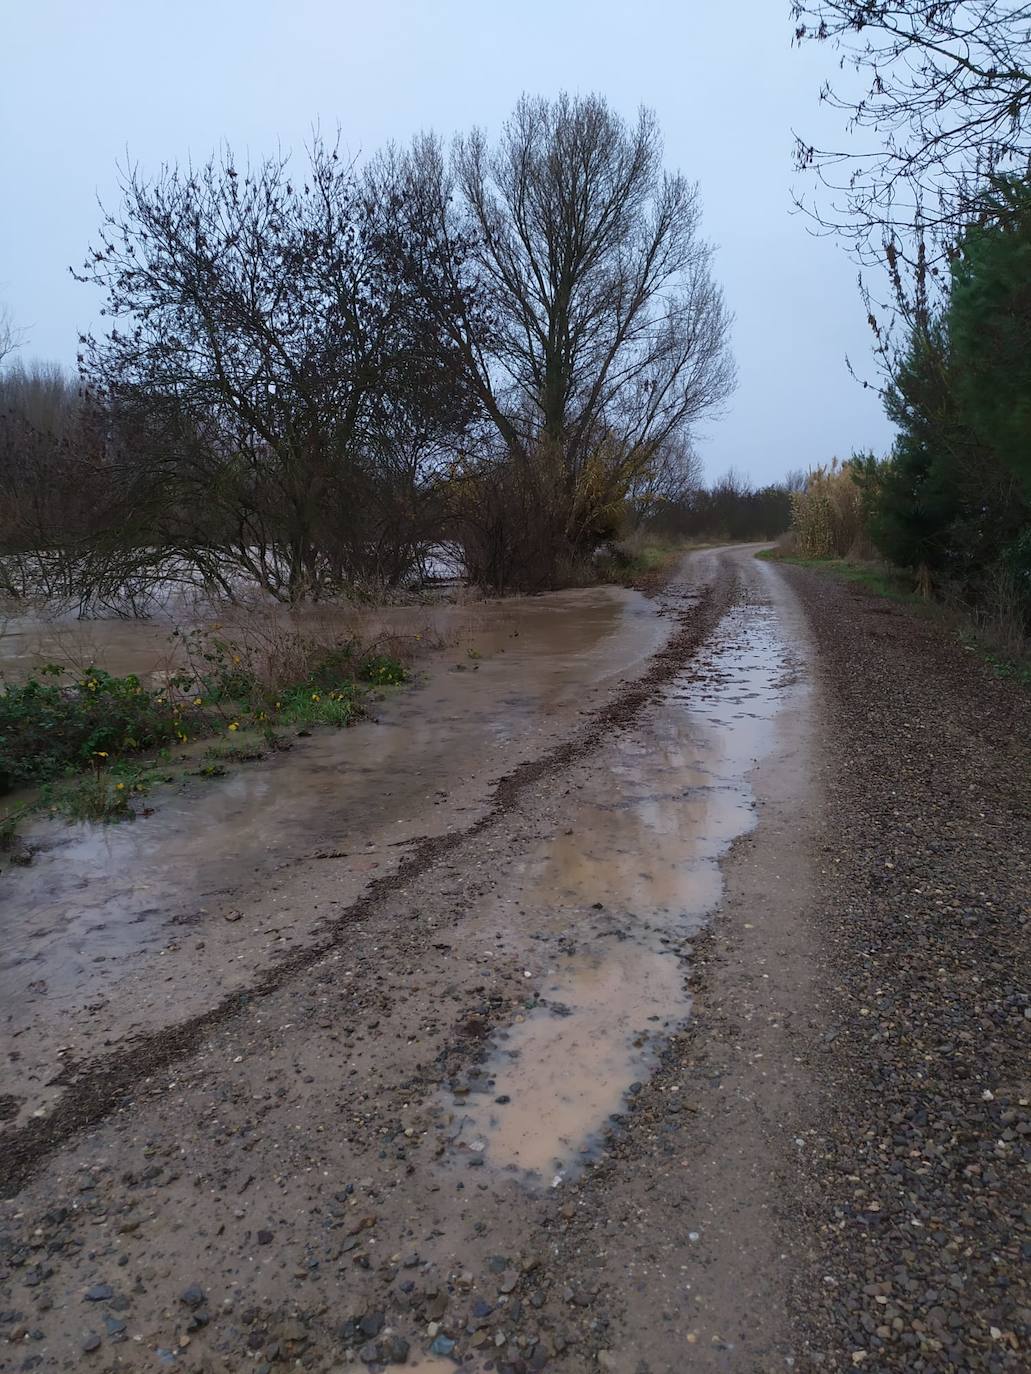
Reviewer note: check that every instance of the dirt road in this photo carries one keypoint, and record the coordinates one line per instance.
(530, 1036)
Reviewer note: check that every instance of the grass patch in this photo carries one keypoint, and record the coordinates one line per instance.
(311, 705)
(246, 751)
(887, 582)
(638, 558)
(872, 577)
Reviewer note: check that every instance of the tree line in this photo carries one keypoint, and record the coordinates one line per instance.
(944, 209)
(312, 376)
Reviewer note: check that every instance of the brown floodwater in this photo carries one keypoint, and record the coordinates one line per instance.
(616, 899)
(117, 930)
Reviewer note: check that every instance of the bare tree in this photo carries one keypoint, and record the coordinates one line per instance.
(264, 372)
(566, 270)
(10, 337)
(944, 89)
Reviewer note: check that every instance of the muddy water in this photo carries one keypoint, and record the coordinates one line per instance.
(117, 930)
(617, 898)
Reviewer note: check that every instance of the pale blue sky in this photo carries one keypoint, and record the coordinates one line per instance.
(82, 82)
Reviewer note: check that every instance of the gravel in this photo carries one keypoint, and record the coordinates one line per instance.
(916, 1187)
(898, 1222)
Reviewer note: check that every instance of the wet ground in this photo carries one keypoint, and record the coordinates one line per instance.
(463, 1122)
(686, 1035)
(613, 902)
(114, 931)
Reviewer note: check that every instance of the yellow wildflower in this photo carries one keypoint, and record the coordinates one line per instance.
(119, 786)
(198, 701)
(234, 725)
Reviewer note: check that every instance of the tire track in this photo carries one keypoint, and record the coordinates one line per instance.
(103, 1085)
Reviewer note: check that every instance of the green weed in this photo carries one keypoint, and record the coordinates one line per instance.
(49, 728)
(104, 795)
(383, 670)
(311, 705)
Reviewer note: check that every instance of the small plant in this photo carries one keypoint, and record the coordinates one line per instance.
(98, 797)
(218, 672)
(235, 753)
(311, 705)
(385, 671)
(9, 823)
(210, 770)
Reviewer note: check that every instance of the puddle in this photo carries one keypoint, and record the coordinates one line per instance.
(85, 922)
(617, 898)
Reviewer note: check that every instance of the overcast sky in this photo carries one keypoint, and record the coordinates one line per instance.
(80, 83)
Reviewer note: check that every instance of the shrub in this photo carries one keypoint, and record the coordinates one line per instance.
(383, 670)
(48, 728)
(827, 514)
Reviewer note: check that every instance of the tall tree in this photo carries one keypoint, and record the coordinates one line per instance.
(990, 327)
(565, 268)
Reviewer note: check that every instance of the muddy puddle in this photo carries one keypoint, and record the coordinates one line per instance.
(617, 897)
(119, 929)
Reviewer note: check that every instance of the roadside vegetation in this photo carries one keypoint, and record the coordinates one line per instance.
(940, 222)
(89, 745)
(836, 529)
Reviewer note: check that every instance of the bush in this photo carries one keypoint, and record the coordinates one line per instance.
(47, 729)
(383, 670)
(827, 514)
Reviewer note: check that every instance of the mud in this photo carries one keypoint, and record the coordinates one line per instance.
(116, 931)
(620, 893)
(292, 1162)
